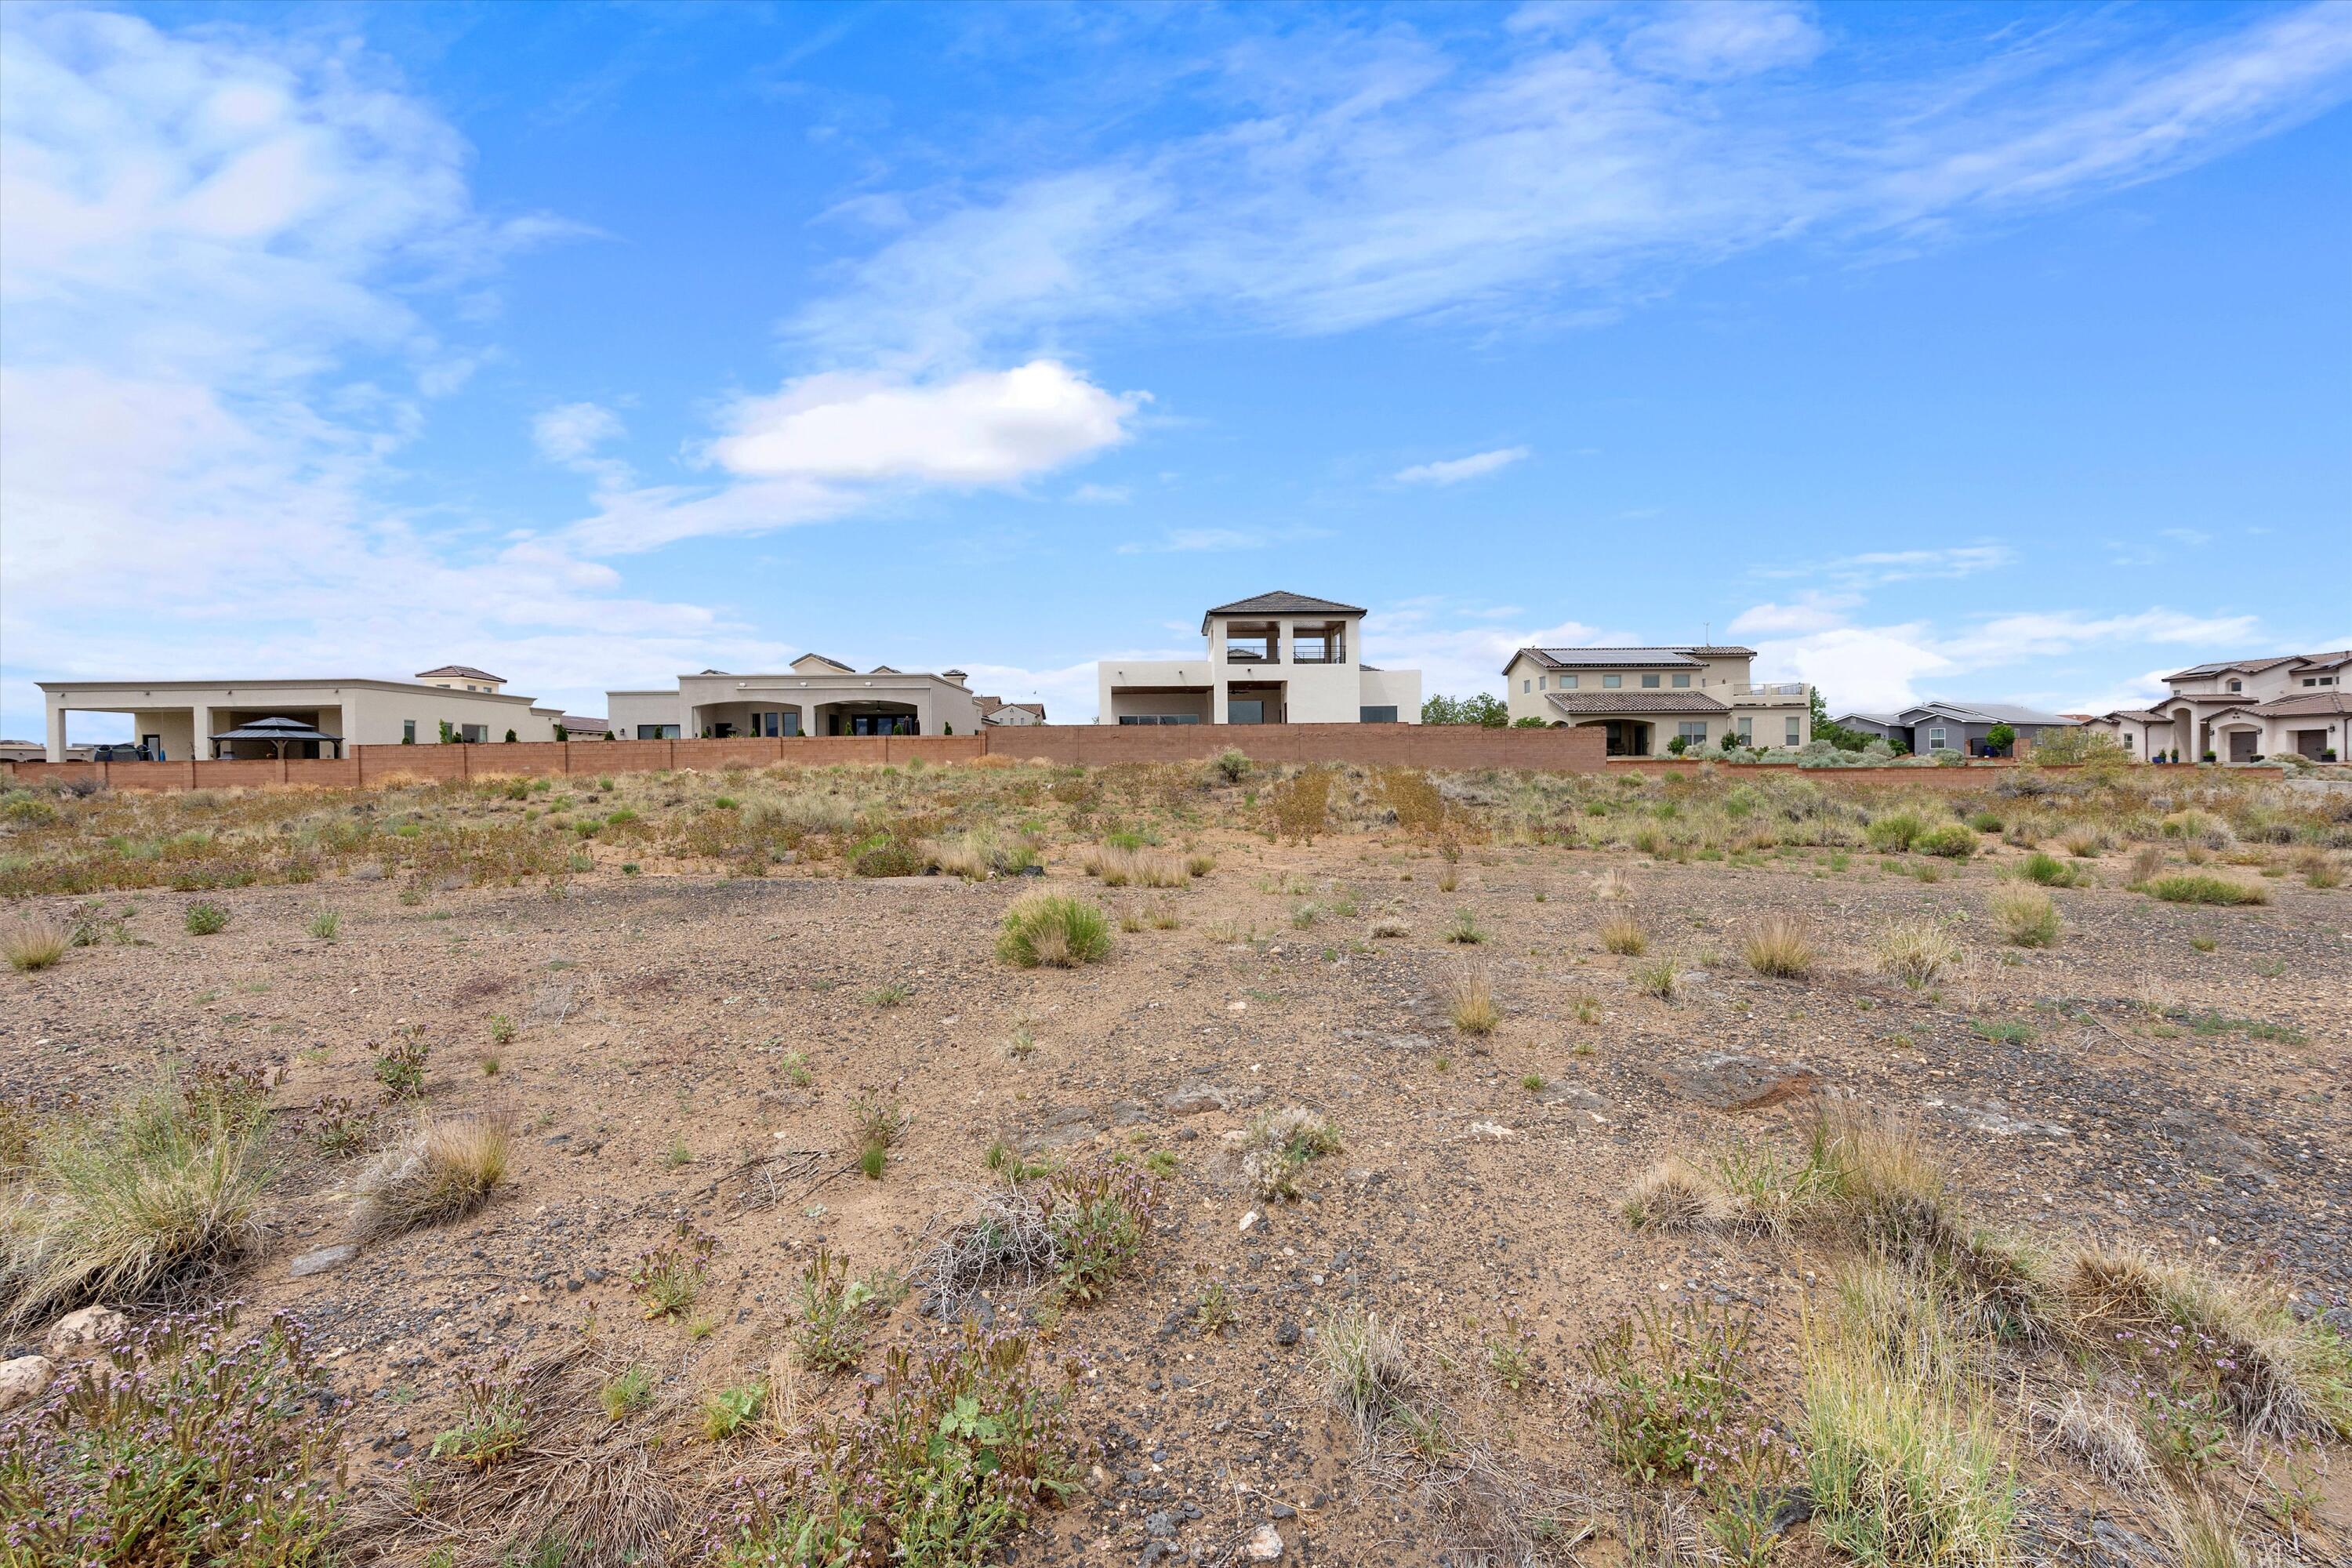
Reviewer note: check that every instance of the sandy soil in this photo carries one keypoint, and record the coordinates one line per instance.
(652, 1075)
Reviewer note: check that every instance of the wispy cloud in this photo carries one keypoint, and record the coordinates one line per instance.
(1186, 541)
(1871, 568)
(1454, 470)
(1382, 175)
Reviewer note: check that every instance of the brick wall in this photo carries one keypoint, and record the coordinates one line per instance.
(1965, 776)
(1448, 746)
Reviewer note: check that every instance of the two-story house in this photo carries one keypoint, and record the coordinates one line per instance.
(2242, 709)
(1646, 698)
(1275, 658)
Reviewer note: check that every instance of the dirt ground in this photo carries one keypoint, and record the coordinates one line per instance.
(2179, 1078)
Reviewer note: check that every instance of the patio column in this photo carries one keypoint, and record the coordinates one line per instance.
(56, 736)
(201, 718)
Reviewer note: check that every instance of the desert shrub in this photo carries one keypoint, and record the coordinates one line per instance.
(1283, 1144)
(1780, 946)
(1231, 766)
(1671, 1195)
(1621, 933)
(37, 944)
(2202, 887)
(1918, 952)
(204, 918)
(1657, 977)
(626, 1392)
(1893, 832)
(1079, 1227)
(1903, 1453)
(1664, 1382)
(1952, 841)
(833, 1312)
(2048, 870)
(494, 1413)
(443, 1171)
(400, 1067)
(1055, 930)
(121, 1205)
(953, 1452)
(2026, 916)
(326, 924)
(887, 857)
(1465, 929)
(202, 1445)
(669, 1274)
(1099, 1216)
(1416, 799)
(1301, 805)
(726, 1411)
(1366, 1372)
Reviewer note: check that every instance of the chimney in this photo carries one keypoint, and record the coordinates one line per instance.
(955, 675)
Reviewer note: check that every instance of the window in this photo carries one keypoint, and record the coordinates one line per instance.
(408, 732)
(1793, 730)
(1245, 711)
(1935, 739)
(1568, 683)
(1692, 732)
(1682, 680)
(1612, 682)
(474, 734)
(1747, 730)
(1649, 682)
(1525, 688)
(1384, 715)
(656, 731)
(2127, 739)
(2237, 685)
(1542, 681)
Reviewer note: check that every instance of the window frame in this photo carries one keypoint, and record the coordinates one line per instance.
(1611, 682)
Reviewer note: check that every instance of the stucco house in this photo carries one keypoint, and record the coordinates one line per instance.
(996, 710)
(2242, 709)
(177, 719)
(1646, 698)
(815, 696)
(1939, 726)
(1273, 659)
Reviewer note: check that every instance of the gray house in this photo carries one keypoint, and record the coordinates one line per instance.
(1954, 726)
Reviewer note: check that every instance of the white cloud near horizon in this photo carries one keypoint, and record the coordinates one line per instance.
(1454, 470)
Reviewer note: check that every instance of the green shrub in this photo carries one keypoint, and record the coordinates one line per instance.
(207, 919)
(2048, 870)
(1056, 930)
(1953, 841)
(2200, 888)
(1664, 1382)
(1893, 832)
(887, 857)
(202, 1447)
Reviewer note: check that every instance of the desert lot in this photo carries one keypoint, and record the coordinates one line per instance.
(1803, 1195)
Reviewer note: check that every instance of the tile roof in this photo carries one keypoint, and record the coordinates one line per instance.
(1281, 602)
(1603, 657)
(1636, 702)
(461, 672)
(2138, 715)
(819, 659)
(2262, 662)
(2306, 704)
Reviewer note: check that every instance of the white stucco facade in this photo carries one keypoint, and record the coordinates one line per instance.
(1275, 658)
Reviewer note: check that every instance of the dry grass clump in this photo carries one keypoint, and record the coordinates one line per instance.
(2025, 916)
(1117, 867)
(1918, 952)
(1280, 1144)
(1613, 887)
(444, 1169)
(118, 1207)
(1660, 977)
(2277, 1376)
(2103, 1436)
(1672, 1196)
(1366, 1371)
(2147, 861)
(1053, 930)
(1780, 947)
(1470, 1002)
(35, 944)
(1903, 1450)
(1621, 934)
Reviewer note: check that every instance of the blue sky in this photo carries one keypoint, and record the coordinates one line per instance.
(1981, 350)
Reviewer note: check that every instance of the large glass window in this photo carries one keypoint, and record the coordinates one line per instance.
(1935, 739)
(1246, 711)
(1747, 730)
(1568, 683)
(1692, 732)
(476, 733)
(1793, 730)
(1382, 715)
(1682, 680)
(656, 731)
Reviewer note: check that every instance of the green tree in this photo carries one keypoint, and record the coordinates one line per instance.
(1837, 735)
(1482, 708)
(2001, 738)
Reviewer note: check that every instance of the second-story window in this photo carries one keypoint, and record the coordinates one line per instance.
(1568, 683)
(1649, 683)
(1682, 680)
(1612, 682)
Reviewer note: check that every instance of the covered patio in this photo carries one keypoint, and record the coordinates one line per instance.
(270, 738)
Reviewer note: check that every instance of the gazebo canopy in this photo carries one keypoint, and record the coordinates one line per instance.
(277, 730)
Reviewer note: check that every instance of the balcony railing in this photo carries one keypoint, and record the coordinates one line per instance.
(1771, 688)
(1248, 653)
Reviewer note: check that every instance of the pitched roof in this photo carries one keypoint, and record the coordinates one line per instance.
(819, 659)
(1885, 720)
(461, 672)
(2221, 666)
(1575, 703)
(1988, 713)
(583, 724)
(1602, 658)
(1281, 602)
(2137, 715)
(2306, 704)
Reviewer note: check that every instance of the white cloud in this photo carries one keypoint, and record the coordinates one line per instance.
(1809, 613)
(1873, 567)
(1387, 174)
(219, 251)
(1454, 470)
(1186, 541)
(572, 431)
(1707, 40)
(987, 427)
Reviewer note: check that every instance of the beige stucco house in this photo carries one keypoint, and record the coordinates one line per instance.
(815, 696)
(2242, 709)
(1644, 698)
(1275, 658)
(177, 719)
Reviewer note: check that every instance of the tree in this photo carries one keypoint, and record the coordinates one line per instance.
(510, 737)
(1837, 735)
(1731, 740)
(1531, 722)
(1482, 708)
(1679, 744)
(561, 733)
(2001, 738)
(448, 733)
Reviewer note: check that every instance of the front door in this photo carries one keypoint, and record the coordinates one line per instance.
(154, 744)
(2241, 745)
(2310, 744)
